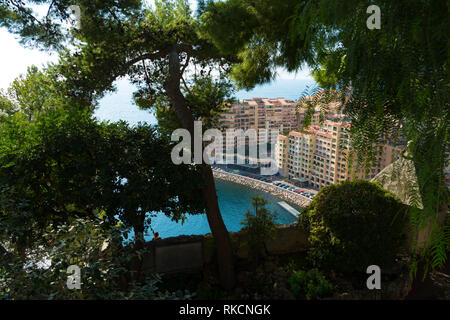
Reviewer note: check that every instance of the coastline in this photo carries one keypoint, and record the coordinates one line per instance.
(263, 186)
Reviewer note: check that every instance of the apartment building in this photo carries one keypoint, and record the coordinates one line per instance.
(317, 156)
(329, 111)
(320, 155)
(282, 154)
(257, 114)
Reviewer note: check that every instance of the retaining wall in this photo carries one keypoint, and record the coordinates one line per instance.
(286, 195)
(192, 253)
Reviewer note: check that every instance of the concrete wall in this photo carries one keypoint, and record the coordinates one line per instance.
(278, 192)
(192, 253)
(170, 255)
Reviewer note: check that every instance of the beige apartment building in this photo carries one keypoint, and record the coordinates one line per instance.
(319, 155)
(258, 114)
(255, 113)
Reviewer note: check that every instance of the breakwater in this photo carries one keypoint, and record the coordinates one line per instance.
(263, 186)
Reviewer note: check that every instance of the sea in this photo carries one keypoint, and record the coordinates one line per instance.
(119, 105)
(234, 199)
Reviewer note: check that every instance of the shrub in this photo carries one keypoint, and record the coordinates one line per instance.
(67, 164)
(260, 226)
(309, 284)
(207, 291)
(92, 246)
(353, 225)
(68, 185)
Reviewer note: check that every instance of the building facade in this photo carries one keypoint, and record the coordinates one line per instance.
(316, 156)
(257, 115)
(320, 155)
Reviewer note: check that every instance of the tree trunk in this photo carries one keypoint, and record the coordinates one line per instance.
(139, 241)
(219, 231)
(218, 228)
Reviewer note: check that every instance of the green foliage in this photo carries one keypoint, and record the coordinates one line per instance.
(258, 285)
(296, 261)
(135, 40)
(93, 246)
(67, 164)
(49, 30)
(353, 225)
(393, 81)
(315, 97)
(70, 190)
(310, 284)
(7, 107)
(259, 226)
(157, 47)
(33, 92)
(205, 97)
(252, 31)
(206, 291)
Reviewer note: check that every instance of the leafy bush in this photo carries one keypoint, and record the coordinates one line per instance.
(95, 248)
(260, 226)
(207, 291)
(309, 284)
(66, 164)
(295, 261)
(70, 185)
(353, 225)
(40, 273)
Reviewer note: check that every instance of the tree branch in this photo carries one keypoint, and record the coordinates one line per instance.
(147, 77)
(185, 85)
(147, 56)
(186, 64)
(172, 87)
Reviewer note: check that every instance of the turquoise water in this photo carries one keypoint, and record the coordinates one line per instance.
(234, 201)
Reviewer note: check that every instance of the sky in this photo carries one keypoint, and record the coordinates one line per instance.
(14, 60)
